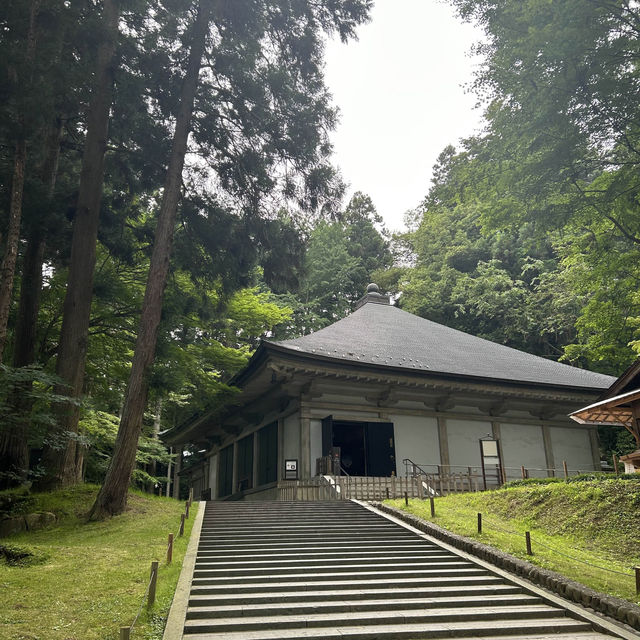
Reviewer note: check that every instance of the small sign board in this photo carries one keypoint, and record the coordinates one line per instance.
(290, 469)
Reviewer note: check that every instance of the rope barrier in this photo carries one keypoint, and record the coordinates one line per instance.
(144, 597)
(537, 541)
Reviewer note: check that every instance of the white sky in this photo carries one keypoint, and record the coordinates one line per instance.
(400, 92)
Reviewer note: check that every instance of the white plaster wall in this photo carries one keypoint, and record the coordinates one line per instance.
(523, 444)
(572, 445)
(464, 445)
(291, 437)
(213, 475)
(416, 438)
(316, 443)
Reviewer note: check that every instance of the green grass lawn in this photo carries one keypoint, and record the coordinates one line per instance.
(595, 522)
(88, 579)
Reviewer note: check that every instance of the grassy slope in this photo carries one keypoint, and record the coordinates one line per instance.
(94, 575)
(596, 522)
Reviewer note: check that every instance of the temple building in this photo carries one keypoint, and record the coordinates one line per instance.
(382, 393)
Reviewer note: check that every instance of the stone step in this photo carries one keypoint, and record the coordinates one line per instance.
(206, 585)
(435, 592)
(267, 555)
(442, 568)
(294, 548)
(314, 534)
(560, 628)
(307, 560)
(295, 607)
(381, 543)
(361, 619)
(209, 577)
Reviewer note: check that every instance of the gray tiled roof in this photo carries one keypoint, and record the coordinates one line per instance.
(385, 335)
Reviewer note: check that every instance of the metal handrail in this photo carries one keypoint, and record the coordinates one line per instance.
(406, 462)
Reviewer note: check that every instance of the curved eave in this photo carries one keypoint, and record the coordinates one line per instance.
(616, 411)
(302, 356)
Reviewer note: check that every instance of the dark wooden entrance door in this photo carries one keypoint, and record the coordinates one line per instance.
(380, 449)
(366, 448)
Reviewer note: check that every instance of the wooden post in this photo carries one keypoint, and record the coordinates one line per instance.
(615, 464)
(523, 472)
(566, 470)
(637, 570)
(432, 504)
(152, 583)
(406, 499)
(479, 523)
(125, 633)
(527, 537)
(181, 532)
(190, 495)
(387, 490)
(186, 510)
(170, 549)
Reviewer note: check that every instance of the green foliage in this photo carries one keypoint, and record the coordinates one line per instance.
(341, 259)
(499, 285)
(99, 430)
(560, 155)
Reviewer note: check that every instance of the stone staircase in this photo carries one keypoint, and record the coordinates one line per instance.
(324, 570)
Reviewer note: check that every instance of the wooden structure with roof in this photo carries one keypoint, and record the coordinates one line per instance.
(382, 393)
(619, 406)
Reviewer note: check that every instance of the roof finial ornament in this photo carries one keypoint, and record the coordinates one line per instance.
(372, 295)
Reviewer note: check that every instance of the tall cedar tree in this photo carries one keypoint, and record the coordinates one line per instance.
(286, 27)
(62, 459)
(8, 266)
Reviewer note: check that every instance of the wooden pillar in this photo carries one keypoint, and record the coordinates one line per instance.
(280, 475)
(635, 427)
(548, 450)
(234, 468)
(255, 459)
(305, 445)
(443, 441)
(595, 449)
(176, 471)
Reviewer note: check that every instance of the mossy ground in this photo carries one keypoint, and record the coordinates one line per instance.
(595, 523)
(90, 577)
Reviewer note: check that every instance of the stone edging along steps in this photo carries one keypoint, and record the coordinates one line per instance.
(621, 610)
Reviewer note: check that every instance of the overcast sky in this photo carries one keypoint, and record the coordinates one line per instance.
(400, 91)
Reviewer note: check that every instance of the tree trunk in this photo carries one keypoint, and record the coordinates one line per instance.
(112, 498)
(60, 458)
(8, 267)
(14, 451)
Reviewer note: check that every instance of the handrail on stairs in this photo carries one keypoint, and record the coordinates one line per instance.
(416, 469)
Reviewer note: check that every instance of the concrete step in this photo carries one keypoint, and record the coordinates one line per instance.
(344, 605)
(561, 628)
(443, 568)
(205, 585)
(361, 619)
(302, 559)
(205, 576)
(438, 592)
